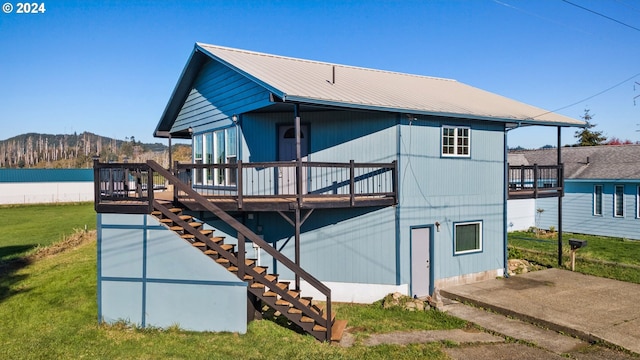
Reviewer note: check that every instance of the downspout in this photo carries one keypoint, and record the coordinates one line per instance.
(170, 155)
(397, 207)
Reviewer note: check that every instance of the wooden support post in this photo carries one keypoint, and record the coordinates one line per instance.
(559, 201)
(573, 259)
(239, 183)
(297, 245)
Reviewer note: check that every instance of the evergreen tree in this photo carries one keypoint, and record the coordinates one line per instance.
(587, 137)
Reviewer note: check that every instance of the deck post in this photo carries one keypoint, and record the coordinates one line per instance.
(297, 245)
(560, 200)
(239, 183)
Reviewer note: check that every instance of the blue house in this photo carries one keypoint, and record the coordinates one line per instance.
(602, 190)
(311, 182)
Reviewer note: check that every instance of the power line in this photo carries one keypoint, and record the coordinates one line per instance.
(604, 16)
(590, 97)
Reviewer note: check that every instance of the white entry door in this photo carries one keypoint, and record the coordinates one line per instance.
(287, 152)
(420, 264)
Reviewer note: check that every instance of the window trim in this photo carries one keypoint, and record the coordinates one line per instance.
(212, 151)
(480, 239)
(597, 199)
(617, 199)
(455, 141)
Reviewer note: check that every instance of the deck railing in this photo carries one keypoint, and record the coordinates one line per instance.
(534, 181)
(277, 179)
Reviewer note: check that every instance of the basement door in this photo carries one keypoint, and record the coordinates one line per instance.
(286, 176)
(420, 265)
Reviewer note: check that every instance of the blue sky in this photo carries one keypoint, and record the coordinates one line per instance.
(109, 67)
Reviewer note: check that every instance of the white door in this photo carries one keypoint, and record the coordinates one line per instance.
(287, 152)
(420, 265)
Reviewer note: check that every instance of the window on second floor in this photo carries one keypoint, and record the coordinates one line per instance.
(618, 201)
(597, 200)
(456, 141)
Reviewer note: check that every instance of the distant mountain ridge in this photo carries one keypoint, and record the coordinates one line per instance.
(74, 150)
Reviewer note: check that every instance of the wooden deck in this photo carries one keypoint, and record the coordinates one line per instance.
(289, 202)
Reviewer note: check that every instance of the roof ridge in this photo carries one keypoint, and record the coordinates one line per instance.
(323, 62)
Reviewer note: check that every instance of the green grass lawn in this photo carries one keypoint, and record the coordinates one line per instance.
(26, 227)
(48, 310)
(614, 258)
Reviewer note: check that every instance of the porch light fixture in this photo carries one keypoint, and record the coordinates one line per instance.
(190, 130)
(234, 118)
(437, 226)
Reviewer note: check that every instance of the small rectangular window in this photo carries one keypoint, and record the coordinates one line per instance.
(618, 201)
(467, 237)
(456, 141)
(597, 200)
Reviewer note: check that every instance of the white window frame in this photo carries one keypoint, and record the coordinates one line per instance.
(618, 199)
(597, 199)
(455, 235)
(458, 147)
(213, 152)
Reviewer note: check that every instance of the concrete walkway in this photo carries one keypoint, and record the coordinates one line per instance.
(588, 307)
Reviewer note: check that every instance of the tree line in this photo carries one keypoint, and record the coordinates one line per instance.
(35, 150)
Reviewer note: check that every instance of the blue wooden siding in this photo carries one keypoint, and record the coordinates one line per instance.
(148, 276)
(450, 190)
(217, 94)
(577, 210)
(347, 245)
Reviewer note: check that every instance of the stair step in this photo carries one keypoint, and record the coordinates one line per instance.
(306, 319)
(259, 269)
(271, 277)
(282, 286)
(185, 217)
(175, 210)
(294, 311)
(217, 239)
(249, 262)
(210, 252)
(293, 293)
(195, 224)
(270, 294)
(232, 269)
(166, 221)
(305, 302)
(337, 329)
(248, 277)
(281, 302)
(206, 232)
(199, 244)
(156, 213)
(227, 247)
(222, 261)
(176, 228)
(257, 286)
(188, 236)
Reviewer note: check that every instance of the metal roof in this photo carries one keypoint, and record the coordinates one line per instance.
(340, 85)
(45, 175)
(612, 162)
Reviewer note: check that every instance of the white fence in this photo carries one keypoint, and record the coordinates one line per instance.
(46, 192)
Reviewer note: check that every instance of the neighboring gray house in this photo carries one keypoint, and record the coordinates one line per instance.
(601, 195)
(347, 183)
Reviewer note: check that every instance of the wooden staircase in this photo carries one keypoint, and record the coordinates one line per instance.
(300, 310)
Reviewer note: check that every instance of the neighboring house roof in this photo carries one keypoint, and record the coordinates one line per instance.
(321, 83)
(45, 175)
(615, 162)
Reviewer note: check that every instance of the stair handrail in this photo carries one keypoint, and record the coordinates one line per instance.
(247, 233)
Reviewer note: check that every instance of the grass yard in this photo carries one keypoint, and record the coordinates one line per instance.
(613, 258)
(25, 227)
(48, 310)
